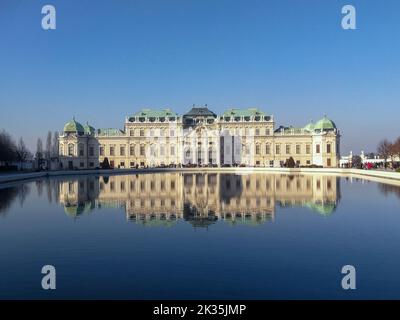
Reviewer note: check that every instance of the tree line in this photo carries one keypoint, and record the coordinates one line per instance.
(389, 150)
(11, 151)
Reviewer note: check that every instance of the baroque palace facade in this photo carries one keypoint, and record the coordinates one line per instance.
(200, 137)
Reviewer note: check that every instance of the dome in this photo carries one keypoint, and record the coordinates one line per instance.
(88, 129)
(325, 124)
(310, 127)
(74, 127)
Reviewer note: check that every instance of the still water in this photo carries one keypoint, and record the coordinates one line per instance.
(200, 236)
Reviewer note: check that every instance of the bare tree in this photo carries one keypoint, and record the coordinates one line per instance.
(22, 152)
(384, 150)
(7, 147)
(392, 154)
(356, 162)
(48, 146)
(55, 146)
(39, 149)
(394, 151)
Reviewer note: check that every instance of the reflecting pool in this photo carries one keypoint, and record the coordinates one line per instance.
(200, 236)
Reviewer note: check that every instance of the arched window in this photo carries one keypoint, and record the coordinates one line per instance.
(258, 149)
(70, 149)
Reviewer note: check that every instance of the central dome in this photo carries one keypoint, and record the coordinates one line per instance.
(73, 127)
(325, 124)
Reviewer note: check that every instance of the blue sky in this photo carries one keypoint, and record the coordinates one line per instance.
(108, 59)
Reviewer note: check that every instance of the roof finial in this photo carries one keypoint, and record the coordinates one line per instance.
(193, 105)
(206, 105)
(73, 117)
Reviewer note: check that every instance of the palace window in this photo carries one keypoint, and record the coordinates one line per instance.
(112, 151)
(132, 150)
(257, 149)
(61, 152)
(162, 150)
(278, 149)
(318, 148)
(328, 148)
(91, 151)
(267, 149)
(81, 164)
(142, 133)
(71, 149)
(101, 150)
(81, 152)
(288, 149)
(172, 133)
(122, 150)
(153, 150)
(267, 132)
(328, 162)
(257, 132)
(172, 150)
(297, 149)
(142, 150)
(308, 149)
(131, 133)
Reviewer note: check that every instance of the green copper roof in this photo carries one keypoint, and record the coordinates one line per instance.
(325, 124)
(155, 113)
(111, 132)
(324, 209)
(234, 112)
(310, 126)
(74, 126)
(88, 129)
(78, 208)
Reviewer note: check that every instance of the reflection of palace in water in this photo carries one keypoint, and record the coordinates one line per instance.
(201, 199)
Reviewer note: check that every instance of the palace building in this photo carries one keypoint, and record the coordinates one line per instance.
(246, 137)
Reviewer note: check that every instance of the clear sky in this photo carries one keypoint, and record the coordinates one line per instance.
(108, 59)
